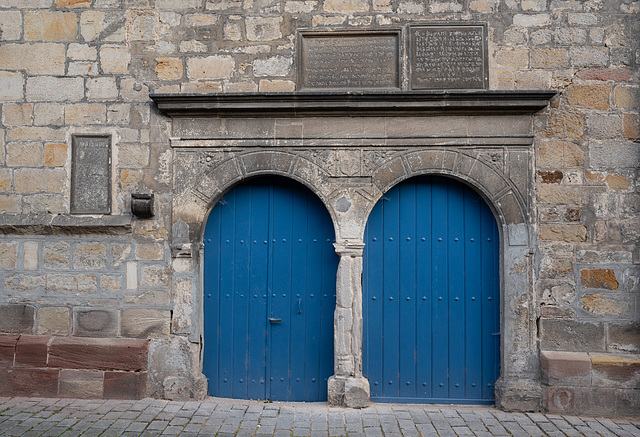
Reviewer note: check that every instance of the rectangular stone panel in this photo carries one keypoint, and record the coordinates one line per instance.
(91, 175)
(349, 60)
(451, 56)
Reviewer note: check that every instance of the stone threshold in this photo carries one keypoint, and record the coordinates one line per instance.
(396, 103)
(63, 224)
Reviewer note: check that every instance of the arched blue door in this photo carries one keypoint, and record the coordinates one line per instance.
(431, 295)
(269, 293)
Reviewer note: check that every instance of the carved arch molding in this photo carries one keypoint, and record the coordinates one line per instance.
(350, 148)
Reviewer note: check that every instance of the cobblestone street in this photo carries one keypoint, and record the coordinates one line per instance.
(222, 417)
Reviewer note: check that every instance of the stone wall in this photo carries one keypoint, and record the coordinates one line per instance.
(70, 67)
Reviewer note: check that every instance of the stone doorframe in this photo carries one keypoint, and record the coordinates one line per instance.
(349, 149)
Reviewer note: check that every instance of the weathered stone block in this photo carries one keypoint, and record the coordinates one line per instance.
(114, 59)
(25, 154)
(513, 59)
(49, 114)
(29, 382)
(37, 58)
(53, 320)
(83, 384)
(631, 126)
(155, 276)
(85, 113)
(7, 349)
(124, 385)
(276, 86)
(133, 155)
(145, 323)
(24, 283)
(17, 318)
(605, 74)
(626, 97)
(100, 354)
(50, 26)
(264, 28)
(90, 256)
(55, 154)
(95, 322)
(10, 204)
(589, 56)
(571, 336)
(624, 338)
(14, 114)
(211, 67)
(566, 125)
(102, 88)
(594, 401)
(345, 6)
(55, 89)
(606, 305)
(560, 195)
(627, 403)
(274, 66)
(10, 25)
(599, 278)
(558, 399)
(67, 284)
(56, 255)
(565, 368)
(169, 68)
(613, 155)
(152, 298)
(112, 283)
(150, 251)
(594, 96)
(11, 85)
(31, 351)
(8, 255)
(568, 233)
(604, 126)
(615, 370)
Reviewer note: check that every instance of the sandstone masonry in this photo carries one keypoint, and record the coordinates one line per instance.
(562, 178)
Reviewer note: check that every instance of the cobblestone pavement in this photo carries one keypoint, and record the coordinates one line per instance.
(222, 417)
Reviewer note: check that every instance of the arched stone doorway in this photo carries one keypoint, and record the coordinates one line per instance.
(431, 295)
(349, 152)
(269, 293)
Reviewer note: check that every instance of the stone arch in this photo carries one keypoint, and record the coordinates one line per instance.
(196, 203)
(498, 191)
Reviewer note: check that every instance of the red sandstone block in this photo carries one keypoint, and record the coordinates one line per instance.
(7, 349)
(124, 385)
(558, 399)
(616, 74)
(99, 353)
(31, 351)
(559, 367)
(29, 382)
(615, 370)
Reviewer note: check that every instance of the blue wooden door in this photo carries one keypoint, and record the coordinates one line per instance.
(269, 293)
(431, 295)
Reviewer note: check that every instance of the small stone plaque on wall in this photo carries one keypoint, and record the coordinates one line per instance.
(451, 56)
(91, 174)
(349, 60)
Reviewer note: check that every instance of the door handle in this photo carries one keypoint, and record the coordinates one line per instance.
(272, 320)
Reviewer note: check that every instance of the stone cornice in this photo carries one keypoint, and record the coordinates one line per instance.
(396, 103)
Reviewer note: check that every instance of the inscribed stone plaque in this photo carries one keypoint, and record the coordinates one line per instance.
(449, 57)
(91, 175)
(353, 60)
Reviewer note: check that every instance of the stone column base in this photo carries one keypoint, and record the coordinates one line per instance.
(518, 394)
(348, 391)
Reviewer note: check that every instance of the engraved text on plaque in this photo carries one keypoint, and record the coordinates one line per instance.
(448, 57)
(91, 175)
(349, 60)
